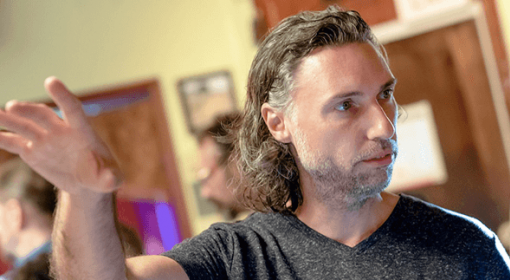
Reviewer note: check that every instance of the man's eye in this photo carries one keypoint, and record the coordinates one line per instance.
(386, 94)
(344, 106)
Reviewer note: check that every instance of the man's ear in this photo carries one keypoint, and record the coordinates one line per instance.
(275, 121)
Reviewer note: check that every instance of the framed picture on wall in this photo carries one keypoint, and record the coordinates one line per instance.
(206, 96)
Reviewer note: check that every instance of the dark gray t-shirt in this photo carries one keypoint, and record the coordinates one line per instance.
(417, 241)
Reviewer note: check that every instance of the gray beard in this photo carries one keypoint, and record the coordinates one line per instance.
(343, 190)
(338, 187)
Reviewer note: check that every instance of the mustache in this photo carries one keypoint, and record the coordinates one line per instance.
(378, 147)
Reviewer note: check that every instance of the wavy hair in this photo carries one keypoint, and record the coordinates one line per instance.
(269, 178)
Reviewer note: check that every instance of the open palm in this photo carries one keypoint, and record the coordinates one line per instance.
(67, 152)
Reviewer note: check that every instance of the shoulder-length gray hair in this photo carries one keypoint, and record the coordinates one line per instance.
(269, 178)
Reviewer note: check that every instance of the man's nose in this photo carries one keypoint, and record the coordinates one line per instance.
(380, 123)
(205, 191)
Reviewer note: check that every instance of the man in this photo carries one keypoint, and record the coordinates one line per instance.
(316, 148)
(217, 172)
(27, 203)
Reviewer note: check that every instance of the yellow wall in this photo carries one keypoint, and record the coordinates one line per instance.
(90, 44)
(94, 43)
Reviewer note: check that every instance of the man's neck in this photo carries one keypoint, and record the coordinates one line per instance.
(347, 226)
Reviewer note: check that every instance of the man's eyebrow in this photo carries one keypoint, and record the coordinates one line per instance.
(389, 83)
(341, 95)
(345, 94)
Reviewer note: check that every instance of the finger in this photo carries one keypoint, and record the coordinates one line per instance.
(24, 127)
(12, 143)
(70, 105)
(38, 113)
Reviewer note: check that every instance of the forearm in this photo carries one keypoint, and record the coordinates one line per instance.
(85, 241)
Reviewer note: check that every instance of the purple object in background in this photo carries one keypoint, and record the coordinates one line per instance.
(168, 227)
(159, 223)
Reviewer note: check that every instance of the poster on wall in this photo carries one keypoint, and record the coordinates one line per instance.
(204, 97)
(420, 160)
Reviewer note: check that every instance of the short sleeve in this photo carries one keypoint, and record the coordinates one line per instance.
(205, 256)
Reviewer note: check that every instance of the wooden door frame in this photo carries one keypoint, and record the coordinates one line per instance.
(394, 31)
(152, 87)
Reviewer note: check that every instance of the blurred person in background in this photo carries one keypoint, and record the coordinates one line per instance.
(27, 203)
(217, 171)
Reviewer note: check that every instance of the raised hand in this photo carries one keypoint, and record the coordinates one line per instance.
(66, 152)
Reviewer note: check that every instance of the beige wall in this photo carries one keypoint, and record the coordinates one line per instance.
(89, 44)
(504, 15)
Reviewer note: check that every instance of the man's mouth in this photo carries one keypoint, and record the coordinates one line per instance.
(383, 158)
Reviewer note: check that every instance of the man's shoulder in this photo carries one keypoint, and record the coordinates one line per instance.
(429, 229)
(253, 222)
(424, 211)
(420, 216)
(226, 236)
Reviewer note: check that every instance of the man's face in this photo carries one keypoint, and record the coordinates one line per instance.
(213, 177)
(343, 123)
